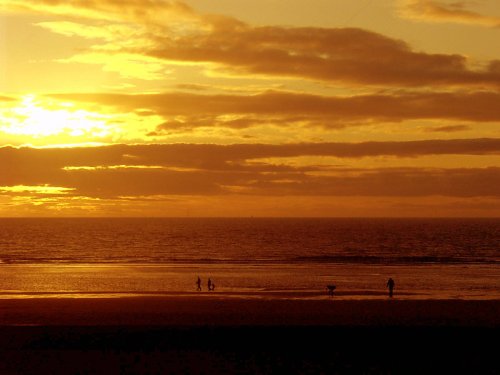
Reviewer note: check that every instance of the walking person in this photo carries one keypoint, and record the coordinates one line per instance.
(331, 288)
(198, 284)
(209, 284)
(390, 285)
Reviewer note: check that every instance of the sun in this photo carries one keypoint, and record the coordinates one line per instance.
(39, 118)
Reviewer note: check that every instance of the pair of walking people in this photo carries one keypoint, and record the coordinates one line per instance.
(210, 284)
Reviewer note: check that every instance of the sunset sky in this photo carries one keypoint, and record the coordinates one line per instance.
(249, 108)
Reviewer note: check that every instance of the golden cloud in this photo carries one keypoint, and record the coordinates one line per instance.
(173, 33)
(189, 110)
(442, 11)
(190, 169)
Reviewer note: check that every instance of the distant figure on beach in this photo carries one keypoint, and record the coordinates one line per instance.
(209, 284)
(331, 289)
(198, 284)
(390, 285)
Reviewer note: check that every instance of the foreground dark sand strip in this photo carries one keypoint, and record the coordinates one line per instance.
(210, 336)
(248, 350)
(192, 311)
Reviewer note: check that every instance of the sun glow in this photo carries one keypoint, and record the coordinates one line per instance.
(43, 118)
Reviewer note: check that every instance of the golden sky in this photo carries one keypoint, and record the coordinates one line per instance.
(249, 108)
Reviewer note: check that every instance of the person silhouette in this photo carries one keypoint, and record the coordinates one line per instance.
(209, 284)
(331, 288)
(390, 285)
(198, 284)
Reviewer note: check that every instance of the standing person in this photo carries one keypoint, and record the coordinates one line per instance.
(331, 288)
(198, 284)
(390, 285)
(209, 284)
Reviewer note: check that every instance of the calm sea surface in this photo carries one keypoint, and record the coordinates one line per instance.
(253, 258)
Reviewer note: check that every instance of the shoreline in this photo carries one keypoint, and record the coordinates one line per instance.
(284, 295)
(354, 282)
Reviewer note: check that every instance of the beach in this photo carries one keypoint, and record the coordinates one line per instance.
(213, 335)
(95, 296)
(203, 310)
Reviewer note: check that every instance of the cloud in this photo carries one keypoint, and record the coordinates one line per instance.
(446, 11)
(113, 183)
(104, 32)
(211, 156)
(190, 110)
(449, 128)
(40, 190)
(208, 154)
(192, 87)
(6, 99)
(410, 182)
(337, 54)
(173, 33)
(111, 54)
(126, 65)
(190, 169)
(118, 28)
(242, 121)
(151, 11)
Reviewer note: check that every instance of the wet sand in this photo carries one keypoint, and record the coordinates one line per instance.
(214, 311)
(214, 336)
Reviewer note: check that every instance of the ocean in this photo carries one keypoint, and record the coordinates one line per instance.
(250, 257)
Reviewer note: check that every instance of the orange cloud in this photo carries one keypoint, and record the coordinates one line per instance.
(440, 11)
(173, 33)
(208, 156)
(112, 10)
(348, 55)
(115, 171)
(188, 110)
(449, 128)
(113, 183)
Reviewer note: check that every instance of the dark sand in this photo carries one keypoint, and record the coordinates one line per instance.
(201, 311)
(220, 336)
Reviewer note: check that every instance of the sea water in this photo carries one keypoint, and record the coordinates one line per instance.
(250, 257)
